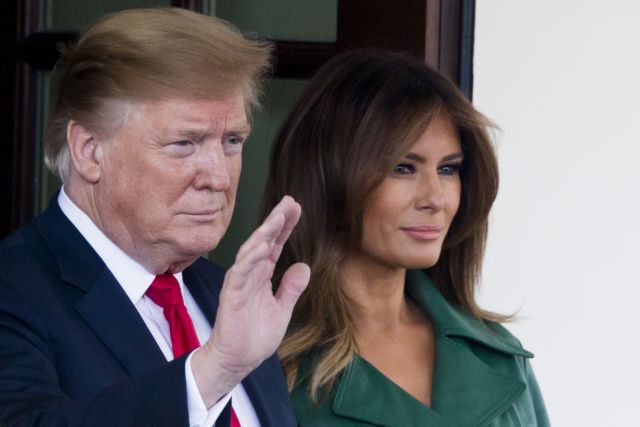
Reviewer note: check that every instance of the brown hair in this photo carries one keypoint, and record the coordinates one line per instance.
(358, 116)
(145, 54)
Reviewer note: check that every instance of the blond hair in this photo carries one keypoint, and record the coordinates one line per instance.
(147, 54)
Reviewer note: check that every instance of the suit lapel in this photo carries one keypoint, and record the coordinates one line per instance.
(204, 287)
(104, 303)
(269, 396)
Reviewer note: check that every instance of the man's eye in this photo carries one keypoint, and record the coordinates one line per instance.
(232, 144)
(449, 169)
(233, 140)
(404, 169)
(183, 143)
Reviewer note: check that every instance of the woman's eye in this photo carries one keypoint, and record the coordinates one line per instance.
(449, 169)
(404, 169)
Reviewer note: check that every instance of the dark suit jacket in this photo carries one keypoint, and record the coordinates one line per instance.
(75, 351)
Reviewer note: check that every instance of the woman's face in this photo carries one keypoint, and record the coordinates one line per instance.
(407, 217)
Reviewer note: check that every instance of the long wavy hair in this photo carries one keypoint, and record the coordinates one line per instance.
(358, 116)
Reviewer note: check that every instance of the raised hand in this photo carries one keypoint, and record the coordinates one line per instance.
(251, 320)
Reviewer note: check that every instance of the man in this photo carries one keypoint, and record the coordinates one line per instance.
(106, 307)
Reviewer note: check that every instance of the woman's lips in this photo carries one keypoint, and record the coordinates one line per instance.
(424, 232)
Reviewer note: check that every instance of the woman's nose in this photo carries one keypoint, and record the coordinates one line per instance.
(431, 193)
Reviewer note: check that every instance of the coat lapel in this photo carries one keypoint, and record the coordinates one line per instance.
(467, 390)
(365, 394)
(104, 303)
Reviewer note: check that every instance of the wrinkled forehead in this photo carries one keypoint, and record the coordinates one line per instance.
(174, 113)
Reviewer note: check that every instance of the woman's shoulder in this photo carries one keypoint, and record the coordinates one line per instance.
(503, 334)
(310, 412)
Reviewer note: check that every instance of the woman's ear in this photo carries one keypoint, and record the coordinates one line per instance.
(85, 151)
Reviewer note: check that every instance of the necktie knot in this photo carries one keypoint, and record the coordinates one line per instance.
(165, 291)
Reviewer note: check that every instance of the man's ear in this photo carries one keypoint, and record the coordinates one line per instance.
(85, 151)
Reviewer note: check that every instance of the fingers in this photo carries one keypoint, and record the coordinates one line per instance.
(293, 283)
(275, 230)
(266, 233)
(258, 255)
(251, 259)
(292, 211)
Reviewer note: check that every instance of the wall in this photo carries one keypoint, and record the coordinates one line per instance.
(280, 94)
(561, 79)
(278, 20)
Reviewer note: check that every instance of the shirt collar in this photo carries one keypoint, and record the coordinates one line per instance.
(131, 275)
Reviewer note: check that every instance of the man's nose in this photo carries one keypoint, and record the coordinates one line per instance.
(212, 169)
(431, 193)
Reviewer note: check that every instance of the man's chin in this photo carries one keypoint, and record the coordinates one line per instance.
(200, 245)
(185, 255)
(188, 243)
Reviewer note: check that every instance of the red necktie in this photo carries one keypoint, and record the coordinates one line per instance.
(165, 291)
(234, 419)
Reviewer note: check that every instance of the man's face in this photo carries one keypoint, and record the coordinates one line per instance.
(169, 177)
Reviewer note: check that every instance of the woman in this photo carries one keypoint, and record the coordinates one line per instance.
(396, 175)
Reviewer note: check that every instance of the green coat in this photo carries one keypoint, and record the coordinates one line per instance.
(482, 377)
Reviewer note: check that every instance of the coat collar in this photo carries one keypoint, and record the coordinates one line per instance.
(365, 394)
(451, 321)
(466, 390)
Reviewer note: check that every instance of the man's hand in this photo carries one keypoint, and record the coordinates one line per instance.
(251, 320)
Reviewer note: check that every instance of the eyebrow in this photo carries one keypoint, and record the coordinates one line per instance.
(421, 159)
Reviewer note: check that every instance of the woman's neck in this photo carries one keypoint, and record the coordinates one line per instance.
(377, 295)
(390, 330)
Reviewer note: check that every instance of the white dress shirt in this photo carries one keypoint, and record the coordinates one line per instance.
(135, 280)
